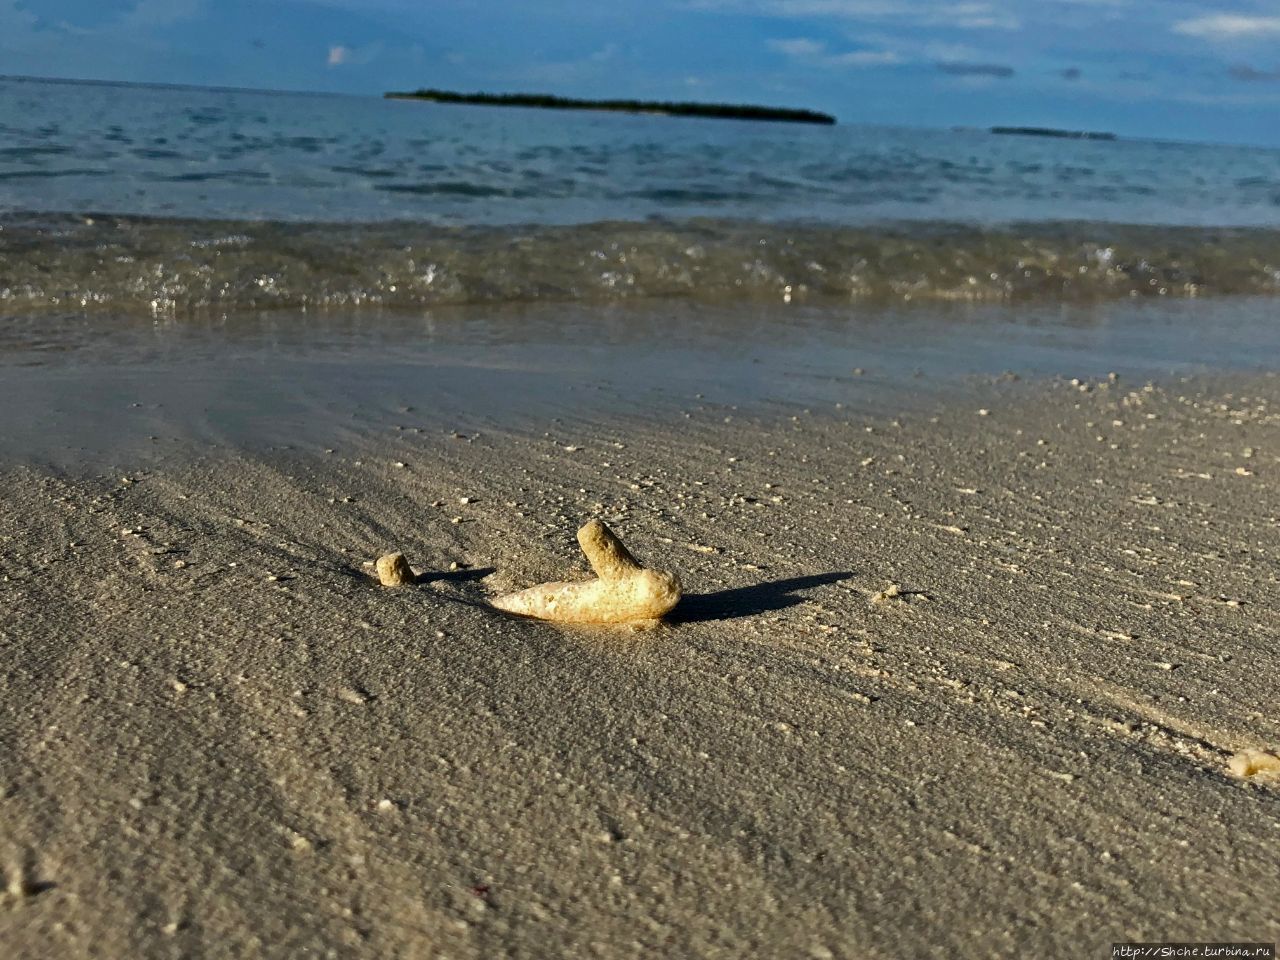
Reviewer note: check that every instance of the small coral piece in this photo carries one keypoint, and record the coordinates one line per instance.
(625, 591)
(891, 592)
(394, 570)
(1255, 763)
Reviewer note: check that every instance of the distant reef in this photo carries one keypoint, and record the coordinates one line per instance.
(722, 111)
(1052, 132)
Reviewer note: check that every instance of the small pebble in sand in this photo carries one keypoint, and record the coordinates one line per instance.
(625, 591)
(394, 570)
(1255, 763)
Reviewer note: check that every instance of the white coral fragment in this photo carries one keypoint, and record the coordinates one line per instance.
(1255, 763)
(624, 591)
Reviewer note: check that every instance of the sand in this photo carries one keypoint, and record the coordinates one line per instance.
(220, 737)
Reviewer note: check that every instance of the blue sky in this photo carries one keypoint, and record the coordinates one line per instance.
(1157, 68)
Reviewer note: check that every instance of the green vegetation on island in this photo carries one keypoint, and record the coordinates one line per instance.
(724, 111)
(1052, 132)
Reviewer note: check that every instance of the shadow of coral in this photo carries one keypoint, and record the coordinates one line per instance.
(454, 576)
(748, 601)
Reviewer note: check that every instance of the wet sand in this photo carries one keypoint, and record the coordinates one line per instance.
(100, 392)
(958, 678)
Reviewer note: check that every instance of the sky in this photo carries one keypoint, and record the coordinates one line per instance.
(1203, 70)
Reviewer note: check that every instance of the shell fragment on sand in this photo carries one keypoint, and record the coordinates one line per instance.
(394, 570)
(624, 591)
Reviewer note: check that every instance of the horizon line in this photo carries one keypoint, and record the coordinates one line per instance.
(277, 91)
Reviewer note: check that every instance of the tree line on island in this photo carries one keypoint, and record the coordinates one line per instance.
(724, 111)
(1053, 132)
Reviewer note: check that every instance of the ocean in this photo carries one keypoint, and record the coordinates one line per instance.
(176, 201)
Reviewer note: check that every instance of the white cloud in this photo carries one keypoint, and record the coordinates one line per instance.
(1227, 26)
(866, 58)
(815, 53)
(342, 55)
(950, 52)
(14, 17)
(974, 16)
(966, 14)
(854, 9)
(799, 47)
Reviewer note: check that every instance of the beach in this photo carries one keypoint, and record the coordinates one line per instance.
(962, 681)
(965, 449)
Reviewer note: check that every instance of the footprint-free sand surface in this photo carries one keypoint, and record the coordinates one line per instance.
(964, 682)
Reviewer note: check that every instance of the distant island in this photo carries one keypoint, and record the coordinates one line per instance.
(720, 111)
(1051, 132)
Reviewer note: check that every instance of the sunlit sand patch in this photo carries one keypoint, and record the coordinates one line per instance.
(624, 592)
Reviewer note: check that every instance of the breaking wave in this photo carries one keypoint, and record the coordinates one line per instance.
(148, 265)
